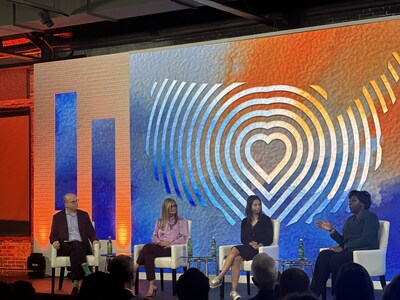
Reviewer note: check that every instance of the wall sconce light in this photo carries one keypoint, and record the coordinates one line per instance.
(45, 18)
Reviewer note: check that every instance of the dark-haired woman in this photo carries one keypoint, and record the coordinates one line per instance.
(360, 232)
(256, 231)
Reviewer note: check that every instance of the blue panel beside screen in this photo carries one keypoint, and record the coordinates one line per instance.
(103, 177)
(65, 147)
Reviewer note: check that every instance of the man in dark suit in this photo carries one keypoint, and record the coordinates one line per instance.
(71, 231)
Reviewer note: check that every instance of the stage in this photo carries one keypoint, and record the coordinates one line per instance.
(43, 289)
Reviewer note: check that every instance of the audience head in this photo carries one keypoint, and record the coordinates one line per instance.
(250, 200)
(293, 280)
(192, 285)
(353, 283)
(392, 290)
(6, 291)
(264, 271)
(23, 290)
(300, 296)
(363, 196)
(122, 271)
(97, 286)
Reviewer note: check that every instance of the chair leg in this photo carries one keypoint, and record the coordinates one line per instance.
(53, 278)
(173, 282)
(60, 281)
(323, 294)
(383, 281)
(137, 282)
(248, 282)
(222, 288)
(162, 279)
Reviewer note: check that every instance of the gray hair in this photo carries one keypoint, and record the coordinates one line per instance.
(264, 271)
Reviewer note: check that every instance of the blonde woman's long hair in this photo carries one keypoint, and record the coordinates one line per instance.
(165, 207)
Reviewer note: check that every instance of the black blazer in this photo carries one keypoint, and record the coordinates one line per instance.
(59, 228)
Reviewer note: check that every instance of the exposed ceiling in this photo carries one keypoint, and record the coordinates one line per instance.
(44, 30)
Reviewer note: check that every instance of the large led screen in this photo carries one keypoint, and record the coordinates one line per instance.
(299, 119)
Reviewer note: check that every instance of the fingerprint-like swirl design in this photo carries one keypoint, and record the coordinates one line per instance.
(215, 144)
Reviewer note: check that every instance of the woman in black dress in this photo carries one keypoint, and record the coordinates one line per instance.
(256, 231)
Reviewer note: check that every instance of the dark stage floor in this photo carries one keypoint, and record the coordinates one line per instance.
(43, 287)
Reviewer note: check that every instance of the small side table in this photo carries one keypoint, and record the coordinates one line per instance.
(109, 258)
(302, 263)
(202, 259)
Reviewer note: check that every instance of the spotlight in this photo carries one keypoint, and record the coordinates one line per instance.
(45, 18)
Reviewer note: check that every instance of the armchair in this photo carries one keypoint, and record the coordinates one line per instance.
(175, 261)
(62, 262)
(374, 261)
(272, 250)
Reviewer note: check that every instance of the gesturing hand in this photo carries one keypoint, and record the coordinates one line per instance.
(325, 225)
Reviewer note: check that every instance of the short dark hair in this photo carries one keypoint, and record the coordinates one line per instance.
(122, 269)
(392, 290)
(363, 196)
(293, 280)
(23, 290)
(192, 285)
(354, 282)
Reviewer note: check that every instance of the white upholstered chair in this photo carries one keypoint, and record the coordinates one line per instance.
(62, 262)
(374, 261)
(272, 250)
(175, 261)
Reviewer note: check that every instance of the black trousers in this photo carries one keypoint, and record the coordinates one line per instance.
(147, 256)
(328, 262)
(77, 254)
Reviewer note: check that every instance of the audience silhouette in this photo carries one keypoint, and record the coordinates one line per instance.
(265, 276)
(293, 280)
(23, 290)
(192, 285)
(392, 290)
(354, 283)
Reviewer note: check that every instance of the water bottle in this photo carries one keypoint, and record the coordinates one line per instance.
(109, 246)
(301, 250)
(213, 247)
(190, 247)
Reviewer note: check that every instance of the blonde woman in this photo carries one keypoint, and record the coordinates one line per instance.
(169, 230)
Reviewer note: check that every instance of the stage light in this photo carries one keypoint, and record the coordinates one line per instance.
(45, 18)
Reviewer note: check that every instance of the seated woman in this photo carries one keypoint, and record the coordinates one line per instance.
(360, 232)
(169, 230)
(256, 231)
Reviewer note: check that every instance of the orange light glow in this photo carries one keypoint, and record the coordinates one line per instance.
(15, 42)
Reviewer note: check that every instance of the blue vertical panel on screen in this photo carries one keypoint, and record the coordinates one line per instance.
(66, 147)
(103, 177)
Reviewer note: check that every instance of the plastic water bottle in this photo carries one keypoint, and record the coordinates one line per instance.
(109, 246)
(301, 250)
(190, 247)
(213, 247)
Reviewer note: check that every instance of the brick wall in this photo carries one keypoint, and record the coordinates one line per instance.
(14, 251)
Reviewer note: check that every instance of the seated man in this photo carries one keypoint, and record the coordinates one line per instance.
(265, 276)
(71, 231)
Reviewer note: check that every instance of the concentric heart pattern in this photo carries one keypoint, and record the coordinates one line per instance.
(214, 144)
